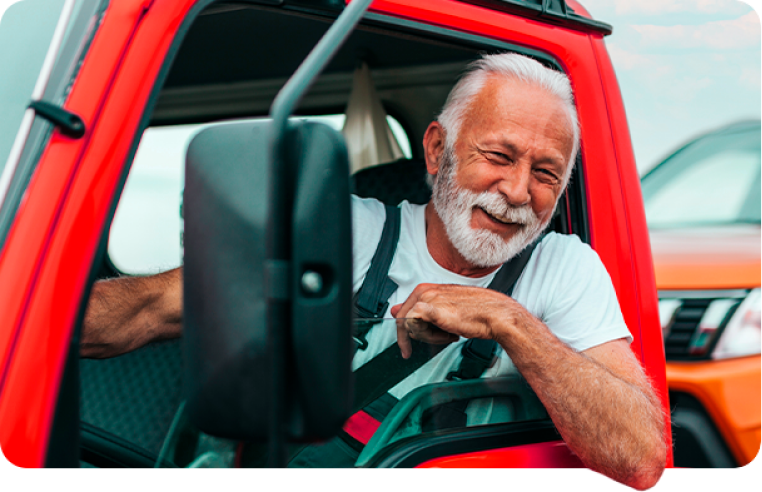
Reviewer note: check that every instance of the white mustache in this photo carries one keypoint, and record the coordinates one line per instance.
(497, 206)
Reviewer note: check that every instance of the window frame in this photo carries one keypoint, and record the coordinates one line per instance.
(416, 449)
(70, 53)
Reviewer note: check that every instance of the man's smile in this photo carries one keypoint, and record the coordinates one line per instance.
(503, 221)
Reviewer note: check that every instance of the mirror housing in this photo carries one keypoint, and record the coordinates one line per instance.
(228, 282)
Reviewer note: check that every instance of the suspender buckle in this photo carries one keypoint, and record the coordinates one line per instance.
(477, 355)
(363, 327)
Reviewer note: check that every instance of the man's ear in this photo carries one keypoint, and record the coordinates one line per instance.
(433, 146)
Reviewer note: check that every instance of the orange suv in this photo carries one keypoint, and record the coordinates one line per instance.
(703, 211)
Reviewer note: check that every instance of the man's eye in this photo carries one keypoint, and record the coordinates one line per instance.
(547, 175)
(500, 158)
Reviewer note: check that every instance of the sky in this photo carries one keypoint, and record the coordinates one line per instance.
(684, 67)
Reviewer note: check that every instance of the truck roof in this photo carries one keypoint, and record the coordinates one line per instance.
(562, 12)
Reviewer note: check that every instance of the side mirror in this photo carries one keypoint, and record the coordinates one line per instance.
(228, 283)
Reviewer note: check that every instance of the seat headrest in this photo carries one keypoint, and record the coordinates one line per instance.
(403, 179)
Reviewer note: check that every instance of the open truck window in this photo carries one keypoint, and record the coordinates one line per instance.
(131, 66)
(146, 234)
(221, 73)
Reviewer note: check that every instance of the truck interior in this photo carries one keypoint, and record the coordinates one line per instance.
(233, 59)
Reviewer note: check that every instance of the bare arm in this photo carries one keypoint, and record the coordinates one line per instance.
(125, 313)
(600, 400)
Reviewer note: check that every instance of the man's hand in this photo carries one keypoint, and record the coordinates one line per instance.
(600, 400)
(440, 314)
(125, 313)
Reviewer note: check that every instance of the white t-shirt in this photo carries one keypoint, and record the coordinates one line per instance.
(564, 284)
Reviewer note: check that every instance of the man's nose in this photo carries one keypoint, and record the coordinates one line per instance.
(515, 185)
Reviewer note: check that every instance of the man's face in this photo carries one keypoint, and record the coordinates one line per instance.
(497, 188)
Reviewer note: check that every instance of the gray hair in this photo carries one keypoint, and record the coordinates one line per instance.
(509, 65)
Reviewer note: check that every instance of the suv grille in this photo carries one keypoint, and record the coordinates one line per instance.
(692, 320)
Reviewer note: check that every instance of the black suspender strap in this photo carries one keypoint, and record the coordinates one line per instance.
(478, 354)
(384, 371)
(388, 368)
(372, 300)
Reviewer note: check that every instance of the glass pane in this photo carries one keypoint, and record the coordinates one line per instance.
(435, 364)
(713, 190)
(336, 121)
(26, 30)
(145, 234)
(147, 228)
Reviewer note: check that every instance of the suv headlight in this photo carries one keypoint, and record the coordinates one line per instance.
(741, 335)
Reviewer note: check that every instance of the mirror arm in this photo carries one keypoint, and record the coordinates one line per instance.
(278, 244)
(296, 86)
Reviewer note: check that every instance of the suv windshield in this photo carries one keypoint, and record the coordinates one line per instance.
(714, 180)
(26, 31)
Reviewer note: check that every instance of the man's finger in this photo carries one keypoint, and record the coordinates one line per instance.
(403, 339)
(396, 309)
(427, 332)
(411, 301)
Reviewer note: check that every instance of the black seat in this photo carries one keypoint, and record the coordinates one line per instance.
(403, 179)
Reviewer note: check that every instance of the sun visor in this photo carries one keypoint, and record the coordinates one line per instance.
(369, 139)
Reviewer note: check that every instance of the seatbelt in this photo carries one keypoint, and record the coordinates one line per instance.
(477, 353)
(372, 299)
(375, 378)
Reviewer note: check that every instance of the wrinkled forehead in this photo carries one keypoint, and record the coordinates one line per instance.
(502, 100)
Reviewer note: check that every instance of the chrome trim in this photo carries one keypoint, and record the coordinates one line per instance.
(42, 81)
(667, 311)
(706, 331)
(703, 294)
(716, 313)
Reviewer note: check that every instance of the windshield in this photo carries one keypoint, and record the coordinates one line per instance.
(26, 30)
(714, 180)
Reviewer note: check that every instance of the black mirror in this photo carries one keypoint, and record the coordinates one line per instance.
(228, 282)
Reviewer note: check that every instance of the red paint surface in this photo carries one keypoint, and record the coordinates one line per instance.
(361, 426)
(49, 252)
(539, 455)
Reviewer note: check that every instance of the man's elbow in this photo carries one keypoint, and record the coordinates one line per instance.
(646, 478)
(650, 453)
(650, 468)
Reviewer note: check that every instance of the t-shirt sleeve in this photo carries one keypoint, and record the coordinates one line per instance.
(580, 306)
(368, 217)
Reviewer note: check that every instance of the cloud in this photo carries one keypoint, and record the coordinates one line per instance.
(624, 59)
(658, 7)
(627, 60)
(740, 33)
(750, 77)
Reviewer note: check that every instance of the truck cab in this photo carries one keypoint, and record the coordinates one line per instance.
(107, 73)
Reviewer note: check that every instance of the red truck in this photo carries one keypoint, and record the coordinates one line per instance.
(94, 75)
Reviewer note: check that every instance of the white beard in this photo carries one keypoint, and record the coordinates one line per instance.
(481, 247)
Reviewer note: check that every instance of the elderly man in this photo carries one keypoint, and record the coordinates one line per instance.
(499, 157)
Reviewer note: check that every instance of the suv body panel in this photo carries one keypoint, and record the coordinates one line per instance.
(729, 390)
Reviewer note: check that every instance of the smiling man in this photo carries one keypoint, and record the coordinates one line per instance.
(498, 157)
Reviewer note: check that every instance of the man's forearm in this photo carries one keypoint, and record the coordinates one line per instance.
(126, 313)
(613, 423)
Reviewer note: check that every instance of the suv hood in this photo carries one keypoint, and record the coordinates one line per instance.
(721, 257)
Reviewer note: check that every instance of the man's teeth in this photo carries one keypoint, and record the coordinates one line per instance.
(500, 219)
